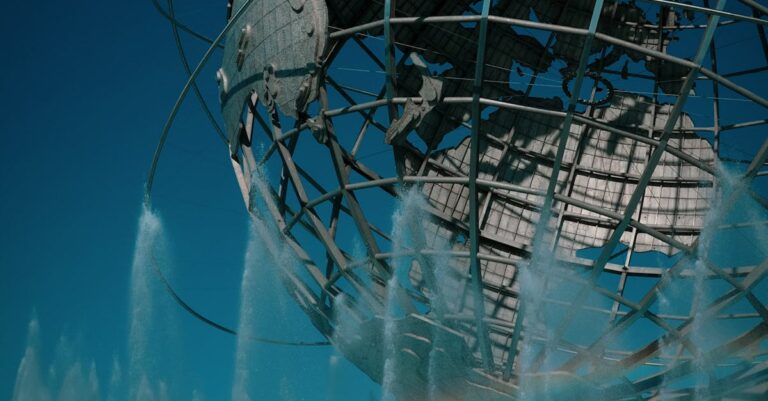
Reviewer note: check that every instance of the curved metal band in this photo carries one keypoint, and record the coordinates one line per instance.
(188, 71)
(199, 316)
(496, 103)
(182, 96)
(192, 75)
(178, 24)
(639, 191)
(562, 29)
(706, 10)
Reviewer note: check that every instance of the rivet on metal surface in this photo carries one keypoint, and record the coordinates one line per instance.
(297, 5)
(245, 38)
(221, 78)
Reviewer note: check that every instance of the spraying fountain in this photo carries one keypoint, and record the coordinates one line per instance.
(535, 188)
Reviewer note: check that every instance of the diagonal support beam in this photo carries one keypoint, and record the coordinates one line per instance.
(653, 161)
(622, 391)
(741, 289)
(316, 222)
(546, 210)
(389, 50)
(474, 229)
(655, 158)
(187, 86)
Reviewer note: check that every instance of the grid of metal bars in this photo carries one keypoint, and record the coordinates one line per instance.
(528, 169)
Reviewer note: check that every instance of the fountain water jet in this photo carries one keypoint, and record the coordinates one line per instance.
(151, 329)
(693, 296)
(262, 299)
(404, 343)
(67, 378)
(29, 382)
(71, 379)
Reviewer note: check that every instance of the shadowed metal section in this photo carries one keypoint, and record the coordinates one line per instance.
(573, 126)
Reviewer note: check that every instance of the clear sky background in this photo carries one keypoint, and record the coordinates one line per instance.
(85, 87)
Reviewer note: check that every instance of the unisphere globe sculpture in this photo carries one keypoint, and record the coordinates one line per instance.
(568, 195)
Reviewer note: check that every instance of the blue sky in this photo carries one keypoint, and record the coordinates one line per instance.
(85, 88)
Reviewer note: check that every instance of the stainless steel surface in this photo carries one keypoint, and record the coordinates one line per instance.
(506, 163)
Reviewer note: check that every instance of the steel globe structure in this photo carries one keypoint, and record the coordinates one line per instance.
(566, 147)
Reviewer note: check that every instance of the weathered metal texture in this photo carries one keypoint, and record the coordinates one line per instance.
(625, 21)
(606, 173)
(274, 51)
(633, 172)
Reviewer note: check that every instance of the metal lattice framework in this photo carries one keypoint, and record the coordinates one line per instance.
(610, 160)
